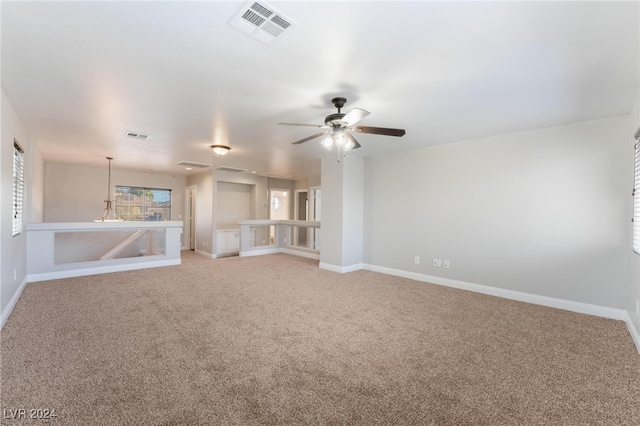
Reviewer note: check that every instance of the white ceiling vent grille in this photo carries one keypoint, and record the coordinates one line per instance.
(230, 169)
(195, 165)
(136, 135)
(261, 21)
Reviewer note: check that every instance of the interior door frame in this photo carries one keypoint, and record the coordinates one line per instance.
(315, 198)
(296, 211)
(190, 217)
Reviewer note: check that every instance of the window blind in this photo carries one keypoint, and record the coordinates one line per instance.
(636, 195)
(18, 187)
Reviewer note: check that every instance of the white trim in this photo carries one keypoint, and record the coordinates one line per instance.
(635, 335)
(205, 254)
(552, 302)
(12, 303)
(296, 203)
(90, 226)
(100, 270)
(307, 254)
(342, 269)
(260, 252)
(300, 253)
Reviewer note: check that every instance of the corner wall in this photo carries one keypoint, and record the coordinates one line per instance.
(544, 212)
(13, 249)
(633, 292)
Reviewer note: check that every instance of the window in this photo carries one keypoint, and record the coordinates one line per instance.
(636, 195)
(143, 204)
(18, 187)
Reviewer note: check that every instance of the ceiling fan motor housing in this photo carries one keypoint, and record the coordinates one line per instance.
(333, 119)
(338, 102)
(336, 119)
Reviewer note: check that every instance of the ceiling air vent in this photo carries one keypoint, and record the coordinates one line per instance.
(195, 165)
(261, 21)
(230, 169)
(136, 135)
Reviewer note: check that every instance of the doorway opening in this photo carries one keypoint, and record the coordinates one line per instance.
(278, 209)
(191, 217)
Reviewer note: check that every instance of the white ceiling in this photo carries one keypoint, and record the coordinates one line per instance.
(81, 74)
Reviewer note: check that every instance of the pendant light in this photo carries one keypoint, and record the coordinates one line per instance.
(108, 210)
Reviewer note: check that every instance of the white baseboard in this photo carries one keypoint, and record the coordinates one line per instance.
(342, 269)
(260, 252)
(569, 305)
(301, 253)
(12, 303)
(635, 334)
(100, 270)
(205, 254)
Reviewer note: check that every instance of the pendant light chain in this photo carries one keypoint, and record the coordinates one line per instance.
(109, 180)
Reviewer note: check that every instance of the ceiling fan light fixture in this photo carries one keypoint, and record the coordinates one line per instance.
(349, 145)
(340, 127)
(327, 142)
(220, 150)
(339, 138)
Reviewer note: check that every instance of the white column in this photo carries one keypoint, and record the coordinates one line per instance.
(341, 229)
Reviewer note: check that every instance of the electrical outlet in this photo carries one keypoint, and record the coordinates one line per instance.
(417, 260)
(638, 306)
(15, 275)
(437, 263)
(446, 264)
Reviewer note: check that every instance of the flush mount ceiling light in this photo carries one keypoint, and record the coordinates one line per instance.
(220, 149)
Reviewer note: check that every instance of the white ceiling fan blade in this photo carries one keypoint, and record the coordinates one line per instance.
(354, 116)
(356, 145)
(317, 135)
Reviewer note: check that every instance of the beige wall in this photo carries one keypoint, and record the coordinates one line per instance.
(633, 293)
(233, 204)
(544, 212)
(13, 249)
(77, 193)
(203, 184)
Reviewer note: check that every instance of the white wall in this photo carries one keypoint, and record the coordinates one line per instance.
(203, 182)
(353, 213)
(13, 250)
(633, 299)
(331, 213)
(543, 212)
(36, 188)
(341, 231)
(77, 193)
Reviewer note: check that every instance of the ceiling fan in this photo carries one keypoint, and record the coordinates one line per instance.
(339, 127)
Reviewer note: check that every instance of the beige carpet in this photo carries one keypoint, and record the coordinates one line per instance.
(276, 340)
